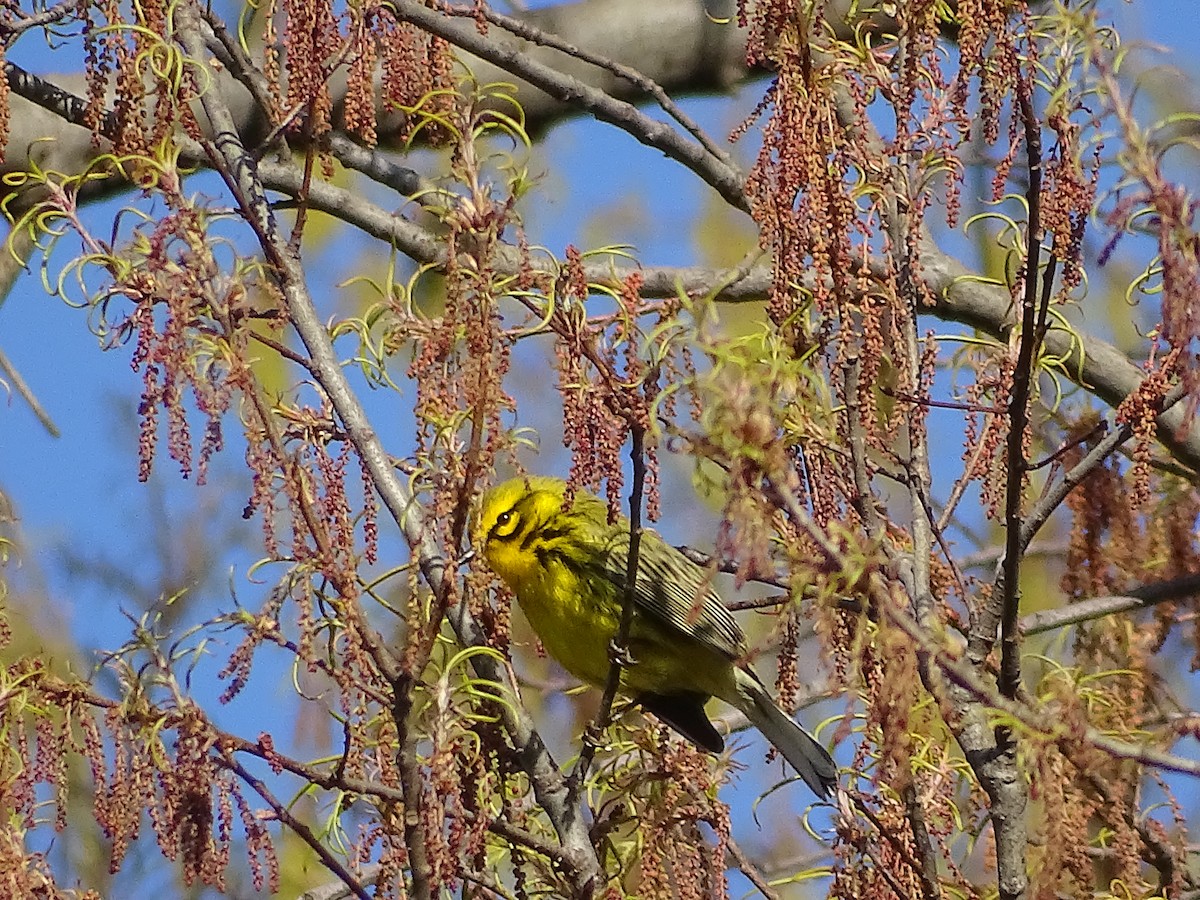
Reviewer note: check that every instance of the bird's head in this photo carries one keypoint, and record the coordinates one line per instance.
(509, 518)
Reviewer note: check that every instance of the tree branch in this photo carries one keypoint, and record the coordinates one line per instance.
(619, 650)
(718, 174)
(634, 77)
(1106, 447)
(1142, 597)
(241, 171)
(297, 827)
(1004, 604)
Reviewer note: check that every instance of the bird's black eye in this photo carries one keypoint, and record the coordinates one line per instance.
(506, 525)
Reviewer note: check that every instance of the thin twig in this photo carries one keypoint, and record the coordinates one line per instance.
(885, 834)
(927, 854)
(1109, 444)
(1007, 589)
(18, 384)
(1154, 850)
(937, 404)
(12, 30)
(960, 487)
(283, 350)
(864, 500)
(337, 890)
(1096, 431)
(729, 567)
(749, 869)
(619, 649)
(297, 827)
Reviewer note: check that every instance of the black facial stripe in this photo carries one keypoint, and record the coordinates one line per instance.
(547, 534)
(546, 555)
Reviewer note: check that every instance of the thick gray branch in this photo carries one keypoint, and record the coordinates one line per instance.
(242, 174)
(960, 295)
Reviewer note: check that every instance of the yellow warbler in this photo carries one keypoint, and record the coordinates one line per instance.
(568, 568)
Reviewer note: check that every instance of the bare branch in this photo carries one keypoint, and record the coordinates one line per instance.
(297, 827)
(527, 31)
(927, 856)
(241, 171)
(718, 174)
(619, 651)
(747, 868)
(1098, 607)
(1106, 447)
(1004, 604)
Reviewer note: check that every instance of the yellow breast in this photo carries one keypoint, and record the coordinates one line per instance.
(576, 624)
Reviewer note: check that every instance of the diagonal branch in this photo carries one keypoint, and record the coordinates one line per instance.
(1106, 447)
(530, 32)
(241, 171)
(283, 812)
(720, 175)
(1143, 597)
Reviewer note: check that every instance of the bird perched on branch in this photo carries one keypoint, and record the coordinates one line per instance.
(568, 570)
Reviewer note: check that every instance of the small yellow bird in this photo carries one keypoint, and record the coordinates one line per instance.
(567, 569)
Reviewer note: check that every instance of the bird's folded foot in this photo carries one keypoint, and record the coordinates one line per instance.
(619, 655)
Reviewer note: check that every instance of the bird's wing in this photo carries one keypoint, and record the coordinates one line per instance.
(674, 591)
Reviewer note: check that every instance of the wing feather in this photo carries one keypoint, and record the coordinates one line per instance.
(674, 591)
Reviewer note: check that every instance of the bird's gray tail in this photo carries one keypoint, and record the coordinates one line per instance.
(799, 748)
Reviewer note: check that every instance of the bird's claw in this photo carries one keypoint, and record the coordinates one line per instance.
(619, 655)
